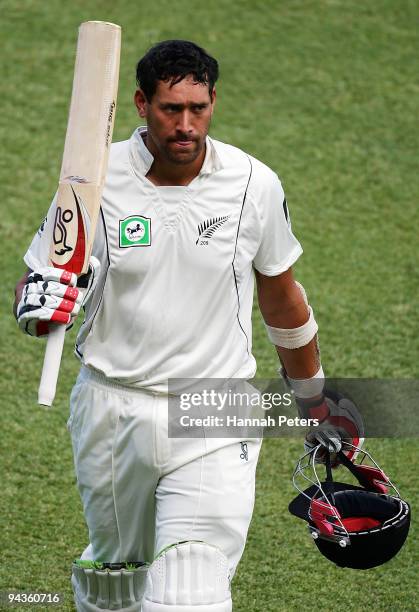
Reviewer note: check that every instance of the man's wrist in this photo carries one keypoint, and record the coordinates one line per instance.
(309, 395)
(307, 388)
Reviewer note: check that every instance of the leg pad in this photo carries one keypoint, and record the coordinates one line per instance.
(188, 577)
(98, 590)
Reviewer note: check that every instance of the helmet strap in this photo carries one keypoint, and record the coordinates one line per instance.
(364, 482)
(329, 488)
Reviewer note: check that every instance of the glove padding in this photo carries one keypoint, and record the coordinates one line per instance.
(52, 295)
(341, 427)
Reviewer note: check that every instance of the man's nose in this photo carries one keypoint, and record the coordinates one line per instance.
(184, 124)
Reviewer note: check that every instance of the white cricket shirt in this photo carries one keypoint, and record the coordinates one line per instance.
(175, 293)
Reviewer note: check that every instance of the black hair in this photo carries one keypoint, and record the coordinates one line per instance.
(173, 60)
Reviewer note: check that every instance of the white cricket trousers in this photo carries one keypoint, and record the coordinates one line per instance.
(141, 490)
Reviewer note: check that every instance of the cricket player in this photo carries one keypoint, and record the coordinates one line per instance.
(187, 225)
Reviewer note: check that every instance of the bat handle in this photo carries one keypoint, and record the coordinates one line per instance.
(51, 367)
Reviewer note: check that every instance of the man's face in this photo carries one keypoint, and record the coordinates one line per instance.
(178, 119)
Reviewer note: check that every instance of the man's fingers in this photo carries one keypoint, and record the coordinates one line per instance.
(330, 440)
(35, 306)
(35, 314)
(53, 274)
(50, 295)
(55, 289)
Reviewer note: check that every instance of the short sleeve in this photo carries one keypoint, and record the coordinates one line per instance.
(279, 249)
(37, 254)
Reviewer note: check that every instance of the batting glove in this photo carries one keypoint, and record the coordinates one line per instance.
(341, 426)
(51, 295)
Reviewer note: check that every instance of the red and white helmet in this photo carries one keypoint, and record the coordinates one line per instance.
(354, 526)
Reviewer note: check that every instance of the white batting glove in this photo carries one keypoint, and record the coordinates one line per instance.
(51, 296)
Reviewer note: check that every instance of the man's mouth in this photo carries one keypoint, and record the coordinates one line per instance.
(183, 143)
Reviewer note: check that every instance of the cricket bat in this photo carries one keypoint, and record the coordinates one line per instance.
(87, 143)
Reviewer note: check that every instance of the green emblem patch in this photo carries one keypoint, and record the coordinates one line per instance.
(135, 231)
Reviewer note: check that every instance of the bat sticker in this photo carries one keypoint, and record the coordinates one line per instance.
(70, 231)
(61, 219)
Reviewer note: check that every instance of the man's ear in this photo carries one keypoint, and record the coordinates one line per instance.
(213, 97)
(140, 102)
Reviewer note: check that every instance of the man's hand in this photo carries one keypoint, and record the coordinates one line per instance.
(51, 295)
(341, 425)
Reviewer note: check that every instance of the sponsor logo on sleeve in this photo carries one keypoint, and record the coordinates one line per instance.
(286, 212)
(135, 231)
(42, 227)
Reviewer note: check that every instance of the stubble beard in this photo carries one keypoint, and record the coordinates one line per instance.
(183, 158)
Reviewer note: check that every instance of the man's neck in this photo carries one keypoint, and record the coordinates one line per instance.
(163, 173)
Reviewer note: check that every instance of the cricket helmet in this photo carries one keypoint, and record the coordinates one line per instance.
(354, 526)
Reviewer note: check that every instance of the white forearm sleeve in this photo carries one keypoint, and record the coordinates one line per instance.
(296, 337)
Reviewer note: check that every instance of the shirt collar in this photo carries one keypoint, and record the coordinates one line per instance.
(142, 159)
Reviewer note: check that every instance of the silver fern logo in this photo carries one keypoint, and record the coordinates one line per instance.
(207, 228)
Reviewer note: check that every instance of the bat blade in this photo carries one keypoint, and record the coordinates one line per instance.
(86, 150)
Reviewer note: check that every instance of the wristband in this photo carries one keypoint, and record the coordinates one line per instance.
(305, 388)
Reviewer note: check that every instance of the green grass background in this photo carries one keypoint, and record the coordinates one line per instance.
(325, 92)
